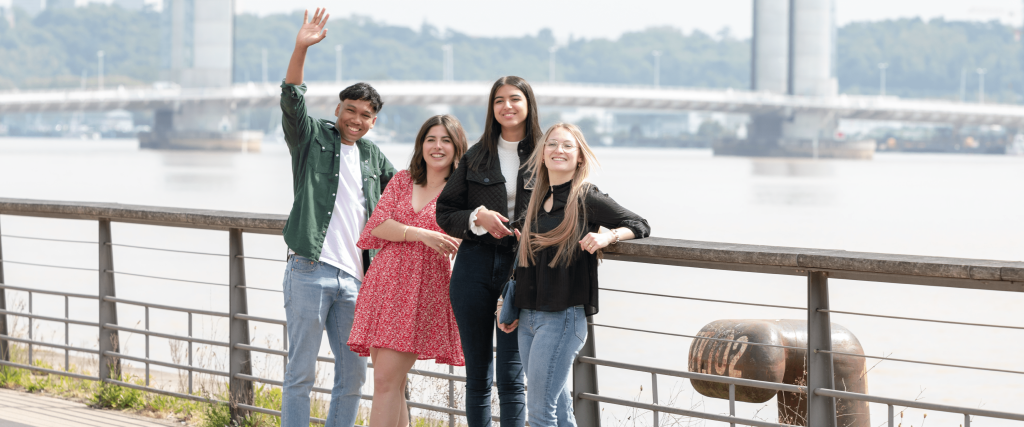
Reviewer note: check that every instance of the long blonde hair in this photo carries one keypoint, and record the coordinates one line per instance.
(567, 234)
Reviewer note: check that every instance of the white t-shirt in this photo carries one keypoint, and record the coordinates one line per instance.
(348, 217)
(508, 156)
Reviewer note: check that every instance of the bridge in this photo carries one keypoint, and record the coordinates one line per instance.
(548, 94)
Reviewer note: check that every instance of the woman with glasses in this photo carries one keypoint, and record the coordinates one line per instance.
(556, 278)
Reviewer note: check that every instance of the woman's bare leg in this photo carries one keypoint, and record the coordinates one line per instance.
(390, 369)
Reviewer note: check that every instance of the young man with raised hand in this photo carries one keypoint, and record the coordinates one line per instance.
(337, 178)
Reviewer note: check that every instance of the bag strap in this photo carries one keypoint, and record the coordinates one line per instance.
(512, 273)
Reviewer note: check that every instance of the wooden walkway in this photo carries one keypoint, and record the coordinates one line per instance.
(20, 409)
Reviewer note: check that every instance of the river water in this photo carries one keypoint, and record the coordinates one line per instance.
(921, 204)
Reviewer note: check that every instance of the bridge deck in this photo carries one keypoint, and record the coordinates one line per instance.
(20, 409)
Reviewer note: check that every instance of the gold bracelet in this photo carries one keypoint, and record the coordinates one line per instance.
(403, 233)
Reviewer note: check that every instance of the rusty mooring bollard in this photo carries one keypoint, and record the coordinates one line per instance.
(780, 365)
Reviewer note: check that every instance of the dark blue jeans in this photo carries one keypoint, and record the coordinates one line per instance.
(479, 273)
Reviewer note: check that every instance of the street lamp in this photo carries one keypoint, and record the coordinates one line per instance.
(337, 62)
(551, 68)
(881, 67)
(657, 67)
(99, 58)
(981, 85)
(963, 83)
(449, 66)
(264, 66)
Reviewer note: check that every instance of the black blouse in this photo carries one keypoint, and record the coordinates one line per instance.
(542, 288)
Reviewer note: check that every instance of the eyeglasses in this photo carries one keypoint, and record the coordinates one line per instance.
(566, 146)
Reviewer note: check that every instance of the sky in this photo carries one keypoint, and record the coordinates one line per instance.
(611, 18)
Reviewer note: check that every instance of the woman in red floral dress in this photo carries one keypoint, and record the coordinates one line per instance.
(403, 313)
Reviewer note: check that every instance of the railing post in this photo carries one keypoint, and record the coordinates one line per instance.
(821, 411)
(240, 360)
(5, 354)
(110, 367)
(584, 380)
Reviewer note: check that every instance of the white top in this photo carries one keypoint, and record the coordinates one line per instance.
(508, 156)
(348, 216)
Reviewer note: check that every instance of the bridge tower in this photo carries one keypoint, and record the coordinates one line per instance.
(793, 53)
(197, 39)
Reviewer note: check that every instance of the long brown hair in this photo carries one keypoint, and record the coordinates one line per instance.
(418, 166)
(570, 231)
(492, 129)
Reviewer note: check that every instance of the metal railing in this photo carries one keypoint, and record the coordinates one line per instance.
(817, 265)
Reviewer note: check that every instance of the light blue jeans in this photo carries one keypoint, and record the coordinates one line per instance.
(549, 342)
(318, 295)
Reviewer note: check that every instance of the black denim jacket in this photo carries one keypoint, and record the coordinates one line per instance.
(468, 189)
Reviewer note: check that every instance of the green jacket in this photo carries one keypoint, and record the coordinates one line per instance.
(313, 144)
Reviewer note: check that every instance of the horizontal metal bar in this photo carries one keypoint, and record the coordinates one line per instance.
(696, 376)
(241, 316)
(163, 335)
(163, 250)
(48, 318)
(48, 240)
(164, 278)
(258, 289)
(46, 265)
(165, 392)
(264, 350)
(1007, 371)
(166, 307)
(696, 337)
(48, 292)
(46, 344)
(431, 374)
(948, 322)
(165, 364)
(48, 371)
(440, 375)
(919, 405)
(677, 411)
(261, 259)
(275, 413)
(704, 299)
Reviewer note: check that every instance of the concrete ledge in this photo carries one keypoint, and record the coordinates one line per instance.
(653, 248)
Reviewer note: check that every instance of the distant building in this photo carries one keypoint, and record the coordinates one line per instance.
(130, 4)
(197, 42)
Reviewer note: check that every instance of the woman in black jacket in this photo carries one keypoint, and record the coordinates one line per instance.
(556, 279)
(476, 204)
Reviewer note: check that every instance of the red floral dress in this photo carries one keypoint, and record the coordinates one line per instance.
(403, 304)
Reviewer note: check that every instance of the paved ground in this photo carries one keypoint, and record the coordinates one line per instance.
(19, 409)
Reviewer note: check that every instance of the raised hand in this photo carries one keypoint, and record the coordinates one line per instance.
(312, 30)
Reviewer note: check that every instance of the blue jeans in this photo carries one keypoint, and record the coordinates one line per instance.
(480, 271)
(549, 342)
(319, 296)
